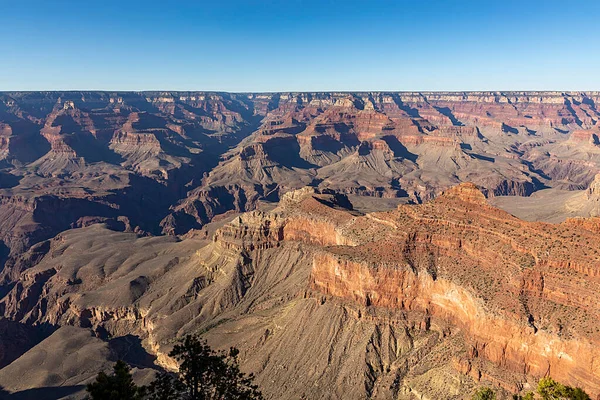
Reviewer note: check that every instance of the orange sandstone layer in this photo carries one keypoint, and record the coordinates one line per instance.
(524, 294)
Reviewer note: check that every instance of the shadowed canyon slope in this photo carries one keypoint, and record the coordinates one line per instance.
(128, 219)
(86, 155)
(325, 302)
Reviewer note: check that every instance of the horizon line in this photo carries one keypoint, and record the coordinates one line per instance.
(297, 91)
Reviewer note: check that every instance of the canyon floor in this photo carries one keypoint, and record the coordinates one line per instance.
(351, 245)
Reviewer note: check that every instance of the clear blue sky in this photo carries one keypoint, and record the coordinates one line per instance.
(299, 45)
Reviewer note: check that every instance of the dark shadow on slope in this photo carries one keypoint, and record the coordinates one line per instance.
(591, 104)
(538, 184)
(88, 147)
(349, 139)
(342, 128)
(364, 149)
(200, 135)
(399, 149)
(35, 103)
(448, 113)
(336, 201)
(44, 393)
(251, 125)
(17, 338)
(241, 105)
(149, 121)
(315, 182)
(129, 349)
(269, 193)
(326, 143)
(8, 181)
(294, 130)
(101, 118)
(346, 134)
(139, 102)
(191, 109)
(509, 129)
(4, 253)
(27, 144)
(529, 131)
(84, 143)
(146, 202)
(171, 144)
(286, 152)
(274, 103)
(5, 288)
(572, 111)
(181, 222)
(482, 157)
(412, 112)
(400, 192)
(536, 170)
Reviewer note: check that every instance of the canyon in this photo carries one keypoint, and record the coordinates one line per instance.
(351, 245)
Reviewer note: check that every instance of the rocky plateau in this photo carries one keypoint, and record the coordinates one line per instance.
(351, 245)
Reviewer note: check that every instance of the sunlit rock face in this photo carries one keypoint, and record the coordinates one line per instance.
(203, 154)
(405, 144)
(250, 218)
(433, 299)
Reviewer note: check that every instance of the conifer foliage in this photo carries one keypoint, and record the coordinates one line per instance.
(204, 374)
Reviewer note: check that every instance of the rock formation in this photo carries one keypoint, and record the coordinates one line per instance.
(150, 215)
(425, 300)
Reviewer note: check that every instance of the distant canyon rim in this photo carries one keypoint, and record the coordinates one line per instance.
(357, 245)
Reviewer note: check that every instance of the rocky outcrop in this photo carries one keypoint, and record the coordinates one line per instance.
(371, 144)
(431, 273)
(453, 287)
(382, 284)
(497, 329)
(433, 142)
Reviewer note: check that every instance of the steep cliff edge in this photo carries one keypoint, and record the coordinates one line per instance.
(203, 154)
(426, 300)
(403, 145)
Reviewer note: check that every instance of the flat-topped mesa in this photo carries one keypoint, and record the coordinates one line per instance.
(296, 196)
(253, 151)
(366, 147)
(307, 215)
(304, 215)
(467, 192)
(272, 126)
(251, 231)
(124, 141)
(457, 131)
(311, 200)
(347, 102)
